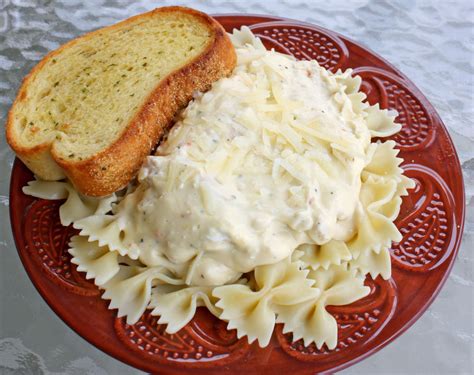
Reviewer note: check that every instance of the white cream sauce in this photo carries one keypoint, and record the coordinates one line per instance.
(269, 159)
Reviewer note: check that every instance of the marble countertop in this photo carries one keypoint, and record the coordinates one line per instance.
(432, 42)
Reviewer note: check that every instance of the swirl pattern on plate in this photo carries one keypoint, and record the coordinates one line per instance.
(391, 92)
(426, 223)
(48, 244)
(304, 43)
(205, 339)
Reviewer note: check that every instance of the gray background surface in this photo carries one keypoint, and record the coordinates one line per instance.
(430, 41)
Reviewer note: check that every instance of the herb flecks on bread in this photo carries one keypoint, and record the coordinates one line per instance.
(93, 109)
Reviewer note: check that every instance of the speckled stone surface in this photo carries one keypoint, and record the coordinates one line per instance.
(432, 42)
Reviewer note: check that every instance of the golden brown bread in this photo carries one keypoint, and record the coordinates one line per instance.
(114, 165)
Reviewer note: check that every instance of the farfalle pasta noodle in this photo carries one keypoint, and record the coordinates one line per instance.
(251, 310)
(76, 206)
(321, 265)
(98, 262)
(332, 253)
(309, 320)
(176, 305)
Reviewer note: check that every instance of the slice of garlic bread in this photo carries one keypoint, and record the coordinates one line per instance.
(95, 108)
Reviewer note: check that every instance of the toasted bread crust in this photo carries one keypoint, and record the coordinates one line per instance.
(112, 168)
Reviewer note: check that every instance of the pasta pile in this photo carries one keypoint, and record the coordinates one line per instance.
(294, 290)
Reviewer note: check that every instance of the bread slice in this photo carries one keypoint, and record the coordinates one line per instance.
(95, 108)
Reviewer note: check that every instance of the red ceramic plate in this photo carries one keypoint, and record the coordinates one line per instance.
(431, 221)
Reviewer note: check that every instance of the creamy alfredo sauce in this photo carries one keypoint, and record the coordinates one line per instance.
(269, 159)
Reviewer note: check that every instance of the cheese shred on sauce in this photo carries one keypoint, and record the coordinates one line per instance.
(267, 160)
